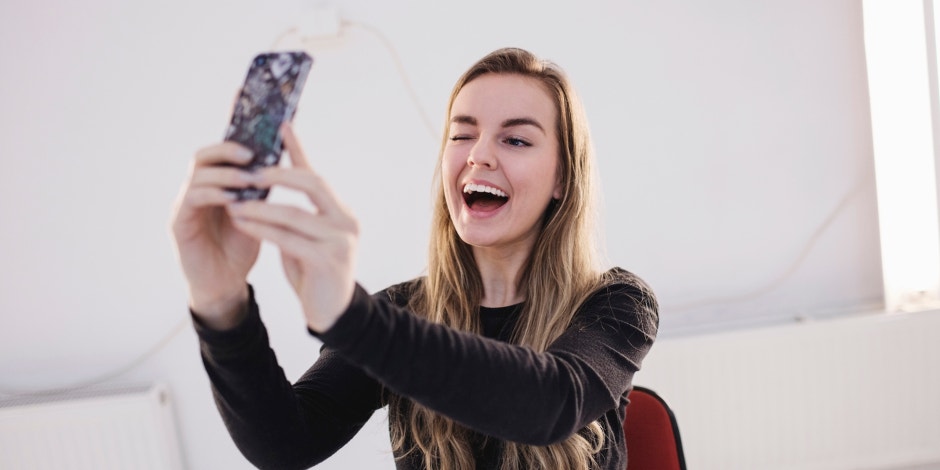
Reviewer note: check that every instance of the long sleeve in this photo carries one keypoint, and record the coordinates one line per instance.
(275, 424)
(499, 389)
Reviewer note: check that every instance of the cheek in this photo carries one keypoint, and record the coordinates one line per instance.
(451, 166)
(450, 173)
(538, 179)
(551, 177)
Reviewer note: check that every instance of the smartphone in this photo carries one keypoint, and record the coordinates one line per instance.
(267, 99)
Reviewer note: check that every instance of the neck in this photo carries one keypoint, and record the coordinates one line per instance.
(501, 272)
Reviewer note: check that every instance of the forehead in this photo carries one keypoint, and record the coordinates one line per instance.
(505, 96)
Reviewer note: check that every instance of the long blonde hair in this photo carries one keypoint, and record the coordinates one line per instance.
(560, 273)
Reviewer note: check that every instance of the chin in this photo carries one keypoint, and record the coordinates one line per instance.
(475, 239)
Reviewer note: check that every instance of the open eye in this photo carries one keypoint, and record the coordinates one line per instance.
(517, 142)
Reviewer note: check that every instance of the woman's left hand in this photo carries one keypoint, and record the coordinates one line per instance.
(318, 249)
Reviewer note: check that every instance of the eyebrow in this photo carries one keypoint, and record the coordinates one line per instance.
(512, 122)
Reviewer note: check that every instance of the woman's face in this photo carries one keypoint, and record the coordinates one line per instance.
(500, 164)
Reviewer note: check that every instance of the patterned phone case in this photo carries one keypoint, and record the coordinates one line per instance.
(268, 98)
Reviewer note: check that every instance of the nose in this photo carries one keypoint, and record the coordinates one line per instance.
(482, 155)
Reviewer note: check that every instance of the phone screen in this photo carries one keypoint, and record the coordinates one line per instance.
(267, 99)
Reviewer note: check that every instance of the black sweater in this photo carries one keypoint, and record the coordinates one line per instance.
(497, 389)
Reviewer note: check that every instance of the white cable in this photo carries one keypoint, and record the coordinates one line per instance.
(100, 379)
(10, 391)
(756, 293)
(794, 266)
(280, 37)
(434, 133)
(396, 58)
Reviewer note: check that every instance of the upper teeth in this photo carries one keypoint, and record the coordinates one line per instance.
(479, 188)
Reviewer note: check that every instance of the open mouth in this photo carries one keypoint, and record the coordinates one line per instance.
(483, 198)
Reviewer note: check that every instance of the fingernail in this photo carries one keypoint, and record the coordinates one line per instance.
(244, 153)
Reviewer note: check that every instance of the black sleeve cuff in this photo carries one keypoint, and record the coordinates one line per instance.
(227, 342)
(349, 324)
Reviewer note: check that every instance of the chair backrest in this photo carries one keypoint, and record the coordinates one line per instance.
(652, 434)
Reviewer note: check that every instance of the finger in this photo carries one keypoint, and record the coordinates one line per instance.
(225, 177)
(288, 241)
(288, 218)
(307, 182)
(319, 193)
(197, 198)
(292, 144)
(191, 205)
(225, 152)
(235, 97)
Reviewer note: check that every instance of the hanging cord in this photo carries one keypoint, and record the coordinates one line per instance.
(756, 293)
(678, 308)
(793, 267)
(684, 307)
(100, 379)
(181, 326)
(281, 37)
(393, 52)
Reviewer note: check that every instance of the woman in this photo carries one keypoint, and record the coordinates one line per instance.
(514, 352)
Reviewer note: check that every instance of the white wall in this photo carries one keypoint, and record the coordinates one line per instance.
(727, 133)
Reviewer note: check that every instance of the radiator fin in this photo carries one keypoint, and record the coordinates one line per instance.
(131, 428)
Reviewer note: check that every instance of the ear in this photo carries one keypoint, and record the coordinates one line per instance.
(559, 190)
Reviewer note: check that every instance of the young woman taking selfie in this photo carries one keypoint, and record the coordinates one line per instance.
(514, 351)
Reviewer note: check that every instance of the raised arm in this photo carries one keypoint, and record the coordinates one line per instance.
(274, 424)
(502, 390)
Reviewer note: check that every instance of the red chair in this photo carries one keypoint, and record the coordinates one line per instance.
(652, 434)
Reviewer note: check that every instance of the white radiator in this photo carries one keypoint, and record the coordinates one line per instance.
(130, 428)
(854, 393)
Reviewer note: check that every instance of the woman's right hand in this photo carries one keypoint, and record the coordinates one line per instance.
(215, 256)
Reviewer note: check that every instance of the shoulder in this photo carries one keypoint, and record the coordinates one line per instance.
(619, 281)
(626, 297)
(400, 294)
